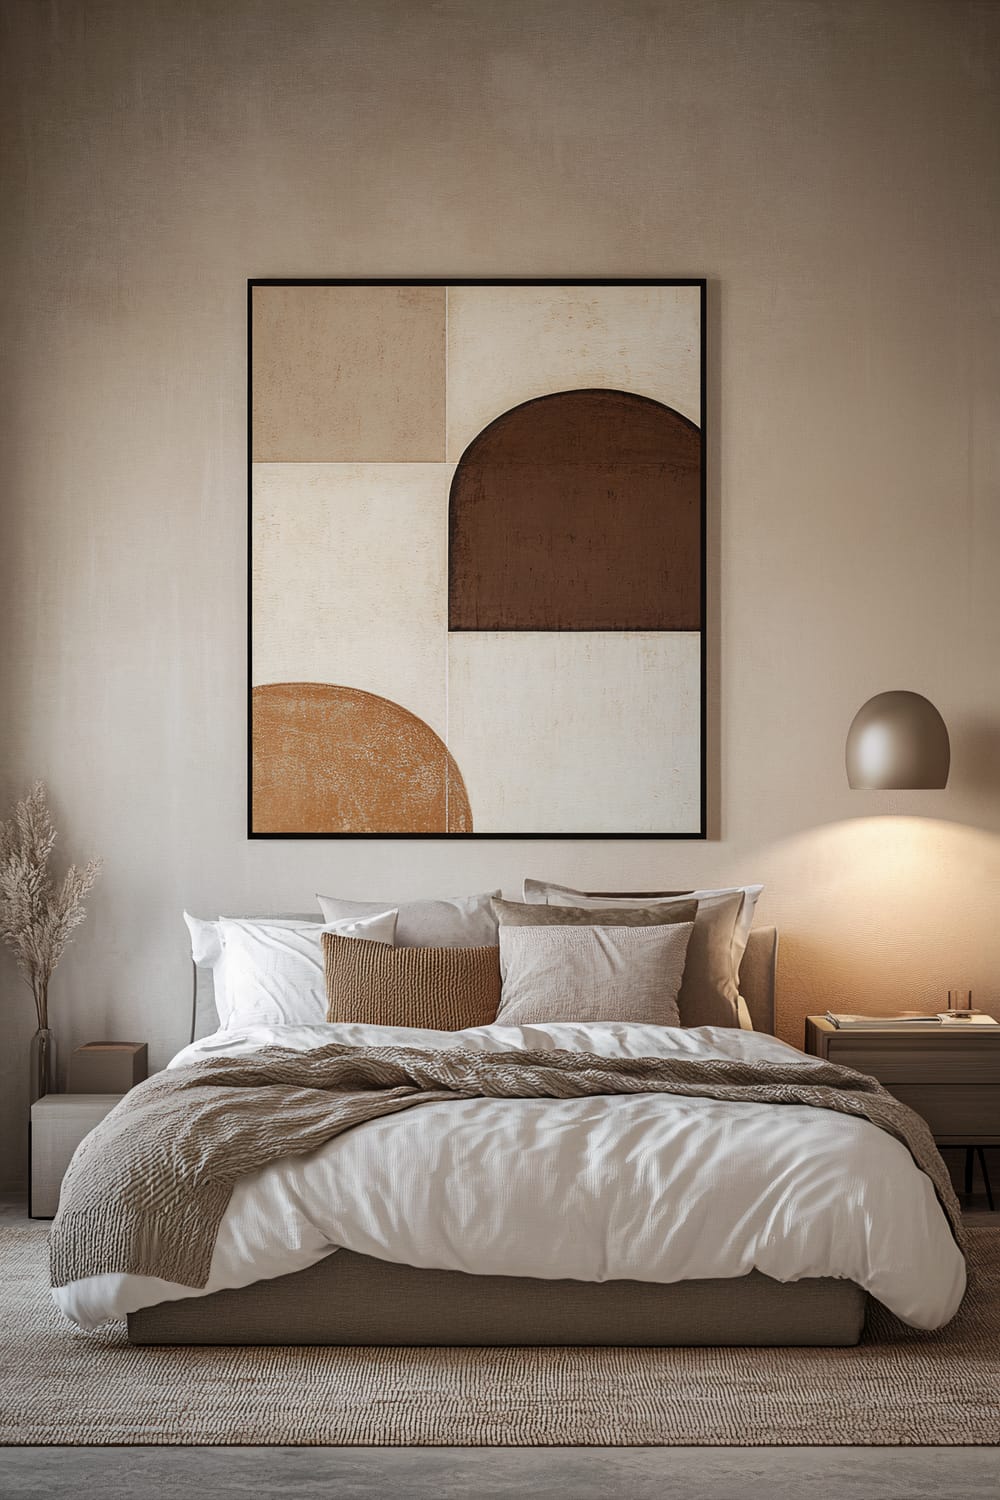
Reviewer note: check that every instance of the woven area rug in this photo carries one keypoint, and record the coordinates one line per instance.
(58, 1385)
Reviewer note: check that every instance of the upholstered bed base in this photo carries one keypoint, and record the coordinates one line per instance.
(354, 1299)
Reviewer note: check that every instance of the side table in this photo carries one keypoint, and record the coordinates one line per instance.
(59, 1123)
(947, 1074)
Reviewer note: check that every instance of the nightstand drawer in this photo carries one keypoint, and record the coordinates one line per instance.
(960, 1060)
(955, 1112)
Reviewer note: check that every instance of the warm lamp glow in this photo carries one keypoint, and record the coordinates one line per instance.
(897, 741)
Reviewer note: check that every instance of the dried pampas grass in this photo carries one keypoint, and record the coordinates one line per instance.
(38, 915)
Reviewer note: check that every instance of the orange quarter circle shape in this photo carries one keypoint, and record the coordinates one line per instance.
(329, 759)
(579, 510)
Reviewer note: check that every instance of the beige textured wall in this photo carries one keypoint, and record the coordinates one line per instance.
(830, 165)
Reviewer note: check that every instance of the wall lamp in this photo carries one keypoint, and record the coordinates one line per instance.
(897, 741)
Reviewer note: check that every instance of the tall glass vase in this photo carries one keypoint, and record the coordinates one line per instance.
(42, 1058)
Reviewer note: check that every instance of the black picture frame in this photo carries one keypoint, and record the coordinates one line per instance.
(699, 833)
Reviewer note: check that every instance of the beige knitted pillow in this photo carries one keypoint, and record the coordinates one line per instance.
(441, 989)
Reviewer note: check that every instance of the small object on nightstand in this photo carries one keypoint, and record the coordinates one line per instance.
(59, 1123)
(107, 1067)
(960, 1010)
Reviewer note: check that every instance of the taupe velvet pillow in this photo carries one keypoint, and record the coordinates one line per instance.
(529, 914)
(441, 989)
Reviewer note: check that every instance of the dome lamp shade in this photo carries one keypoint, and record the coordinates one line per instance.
(897, 741)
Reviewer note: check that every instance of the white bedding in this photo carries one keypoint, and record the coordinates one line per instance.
(647, 1187)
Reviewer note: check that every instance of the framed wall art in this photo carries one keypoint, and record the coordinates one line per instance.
(477, 559)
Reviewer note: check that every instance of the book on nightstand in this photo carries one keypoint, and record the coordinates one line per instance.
(910, 1020)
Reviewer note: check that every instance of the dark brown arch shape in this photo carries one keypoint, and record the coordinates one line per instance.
(580, 510)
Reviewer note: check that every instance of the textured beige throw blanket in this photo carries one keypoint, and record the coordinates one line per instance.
(147, 1190)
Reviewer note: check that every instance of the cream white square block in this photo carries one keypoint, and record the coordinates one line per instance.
(59, 1123)
(509, 344)
(577, 731)
(321, 534)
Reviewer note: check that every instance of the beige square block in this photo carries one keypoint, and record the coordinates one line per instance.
(508, 344)
(348, 373)
(350, 582)
(577, 731)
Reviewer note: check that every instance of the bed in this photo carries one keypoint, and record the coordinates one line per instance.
(440, 1287)
(350, 1298)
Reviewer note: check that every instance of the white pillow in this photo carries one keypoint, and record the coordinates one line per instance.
(449, 922)
(270, 972)
(207, 952)
(206, 938)
(624, 974)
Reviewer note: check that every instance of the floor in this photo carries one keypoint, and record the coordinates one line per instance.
(495, 1474)
(499, 1473)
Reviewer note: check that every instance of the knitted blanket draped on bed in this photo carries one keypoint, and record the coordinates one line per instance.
(146, 1191)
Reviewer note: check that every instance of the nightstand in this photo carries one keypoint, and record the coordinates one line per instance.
(950, 1076)
(59, 1123)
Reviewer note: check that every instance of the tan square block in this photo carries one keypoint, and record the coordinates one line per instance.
(344, 374)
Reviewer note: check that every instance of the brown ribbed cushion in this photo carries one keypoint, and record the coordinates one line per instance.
(442, 989)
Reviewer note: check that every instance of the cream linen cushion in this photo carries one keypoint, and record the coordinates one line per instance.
(626, 974)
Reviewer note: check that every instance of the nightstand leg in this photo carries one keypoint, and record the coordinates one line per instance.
(969, 1162)
(986, 1176)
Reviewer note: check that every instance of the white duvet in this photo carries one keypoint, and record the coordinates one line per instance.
(647, 1187)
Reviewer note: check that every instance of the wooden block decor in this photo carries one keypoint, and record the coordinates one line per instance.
(107, 1067)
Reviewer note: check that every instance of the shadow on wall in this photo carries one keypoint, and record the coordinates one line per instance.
(977, 758)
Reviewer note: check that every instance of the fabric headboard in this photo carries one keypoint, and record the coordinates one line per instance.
(757, 974)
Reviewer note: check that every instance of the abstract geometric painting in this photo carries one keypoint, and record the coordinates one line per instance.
(477, 559)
